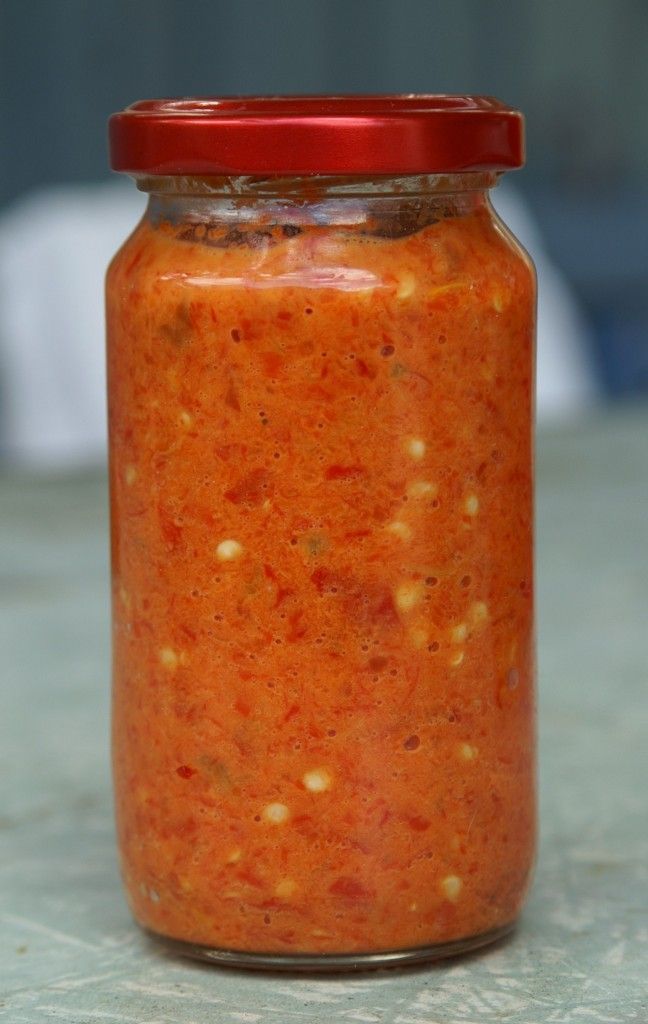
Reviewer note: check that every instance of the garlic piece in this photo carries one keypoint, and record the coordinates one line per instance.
(400, 529)
(478, 613)
(276, 813)
(406, 285)
(422, 489)
(229, 550)
(459, 633)
(169, 658)
(317, 780)
(416, 448)
(467, 751)
(471, 505)
(451, 886)
(285, 888)
(408, 595)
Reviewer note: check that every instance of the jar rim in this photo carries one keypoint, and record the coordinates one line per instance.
(306, 135)
(316, 187)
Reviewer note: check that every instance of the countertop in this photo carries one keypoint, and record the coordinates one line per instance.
(68, 949)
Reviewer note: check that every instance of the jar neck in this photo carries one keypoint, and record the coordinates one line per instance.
(312, 187)
(386, 205)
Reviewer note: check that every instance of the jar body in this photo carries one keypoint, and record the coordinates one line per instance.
(321, 491)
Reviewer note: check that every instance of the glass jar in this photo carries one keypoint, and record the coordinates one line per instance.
(321, 395)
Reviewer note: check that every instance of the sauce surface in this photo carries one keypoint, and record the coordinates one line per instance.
(321, 479)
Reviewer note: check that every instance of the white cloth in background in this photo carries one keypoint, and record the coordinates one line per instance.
(55, 246)
(566, 382)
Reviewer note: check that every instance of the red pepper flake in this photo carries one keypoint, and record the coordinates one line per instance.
(188, 632)
(325, 580)
(291, 712)
(350, 888)
(133, 263)
(231, 452)
(320, 393)
(171, 532)
(367, 603)
(382, 609)
(377, 663)
(302, 819)
(185, 772)
(242, 707)
(185, 830)
(252, 489)
(419, 824)
(364, 369)
(297, 628)
(337, 472)
(247, 875)
(231, 397)
(272, 363)
(282, 594)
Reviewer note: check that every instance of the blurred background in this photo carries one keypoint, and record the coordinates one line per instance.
(579, 71)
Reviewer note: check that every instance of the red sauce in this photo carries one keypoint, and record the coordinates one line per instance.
(321, 505)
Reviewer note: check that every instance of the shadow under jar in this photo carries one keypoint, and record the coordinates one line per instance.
(321, 392)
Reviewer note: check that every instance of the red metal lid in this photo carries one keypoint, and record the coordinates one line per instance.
(317, 135)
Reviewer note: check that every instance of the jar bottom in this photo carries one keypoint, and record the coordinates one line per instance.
(329, 962)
